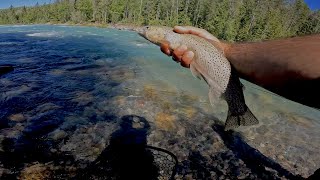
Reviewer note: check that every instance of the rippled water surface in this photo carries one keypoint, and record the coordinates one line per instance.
(81, 96)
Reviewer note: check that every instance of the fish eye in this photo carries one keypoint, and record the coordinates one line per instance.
(147, 27)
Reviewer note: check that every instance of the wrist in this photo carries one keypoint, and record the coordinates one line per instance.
(225, 46)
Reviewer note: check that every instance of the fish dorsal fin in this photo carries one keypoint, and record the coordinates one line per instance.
(194, 71)
(214, 96)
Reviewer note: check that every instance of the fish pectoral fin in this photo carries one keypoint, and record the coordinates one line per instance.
(214, 96)
(195, 72)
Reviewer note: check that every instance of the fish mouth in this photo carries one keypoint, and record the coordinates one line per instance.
(142, 34)
(141, 31)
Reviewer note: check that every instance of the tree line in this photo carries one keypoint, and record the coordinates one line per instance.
(232, 20)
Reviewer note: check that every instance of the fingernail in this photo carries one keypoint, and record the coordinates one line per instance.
(180, 28)
(183, 48)
(190, 54)
(168, 52)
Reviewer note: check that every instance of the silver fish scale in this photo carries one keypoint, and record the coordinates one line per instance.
(216, 68)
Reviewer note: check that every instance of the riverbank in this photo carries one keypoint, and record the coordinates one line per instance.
(119, 26)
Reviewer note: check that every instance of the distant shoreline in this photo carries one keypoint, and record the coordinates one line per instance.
(120, 26)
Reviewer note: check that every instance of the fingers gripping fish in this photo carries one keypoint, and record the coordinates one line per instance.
(209, 64)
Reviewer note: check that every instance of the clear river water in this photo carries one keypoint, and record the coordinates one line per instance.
(81, 97)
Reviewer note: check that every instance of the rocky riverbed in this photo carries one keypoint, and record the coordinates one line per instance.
(84, 103)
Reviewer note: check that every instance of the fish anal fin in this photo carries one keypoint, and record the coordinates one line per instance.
(242, 86)
(246, 119)
(195, 72)
(214, 96)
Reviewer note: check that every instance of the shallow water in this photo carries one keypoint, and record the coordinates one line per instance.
(74, 88)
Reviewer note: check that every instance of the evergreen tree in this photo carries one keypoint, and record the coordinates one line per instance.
(232, 20)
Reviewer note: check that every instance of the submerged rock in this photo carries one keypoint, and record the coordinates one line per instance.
(36, 171)
(165, 121)
(17, 117)
(150, 92)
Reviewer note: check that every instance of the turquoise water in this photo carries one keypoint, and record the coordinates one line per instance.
(74, 87)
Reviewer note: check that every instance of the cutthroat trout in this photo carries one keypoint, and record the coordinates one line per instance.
(210, 64)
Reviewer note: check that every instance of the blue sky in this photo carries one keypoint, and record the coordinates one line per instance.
(313, 4)
(16, 3)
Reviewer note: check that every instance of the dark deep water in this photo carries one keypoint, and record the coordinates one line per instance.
(82, 102)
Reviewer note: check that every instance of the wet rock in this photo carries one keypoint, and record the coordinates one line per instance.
(262, 130)
(47, 107)
(36, 171)
(43, 123)
(83, 98)
(188, 98)
(14, 92)
(165, 121)
(6, 82)
(138, 125)
(150, 92)
(166, 105)
(121, 74)
(11, 132)
(4, 171)
(87, 143)
(58, 134)
(120, 100)
(17, 117)
(188, 112)
(57, 72)
(182, 132)
(299, 120)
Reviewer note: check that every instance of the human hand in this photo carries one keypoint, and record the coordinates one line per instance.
(181, 54)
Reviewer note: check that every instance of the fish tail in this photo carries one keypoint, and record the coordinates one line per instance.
(245, 119)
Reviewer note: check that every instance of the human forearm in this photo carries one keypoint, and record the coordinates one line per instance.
(272, 63)
(289, 67)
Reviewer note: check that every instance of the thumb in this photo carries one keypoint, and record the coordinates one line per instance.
(195, 31)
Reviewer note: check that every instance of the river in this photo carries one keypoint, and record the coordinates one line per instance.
(76, 93)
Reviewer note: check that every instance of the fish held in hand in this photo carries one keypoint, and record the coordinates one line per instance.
(210, 64)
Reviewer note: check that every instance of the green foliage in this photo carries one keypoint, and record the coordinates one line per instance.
(232, 20)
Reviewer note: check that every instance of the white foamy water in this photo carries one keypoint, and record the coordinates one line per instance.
(8, 43)
(21, 25)
(141, 44)
(45, 34)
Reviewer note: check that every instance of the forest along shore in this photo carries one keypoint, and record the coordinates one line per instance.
(228, 20)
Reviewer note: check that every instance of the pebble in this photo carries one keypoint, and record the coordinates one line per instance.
(36, 171)
(182, 132)
(17, 117)
(59, 134)
(137, 125)
(136, 119)
(47, 107)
